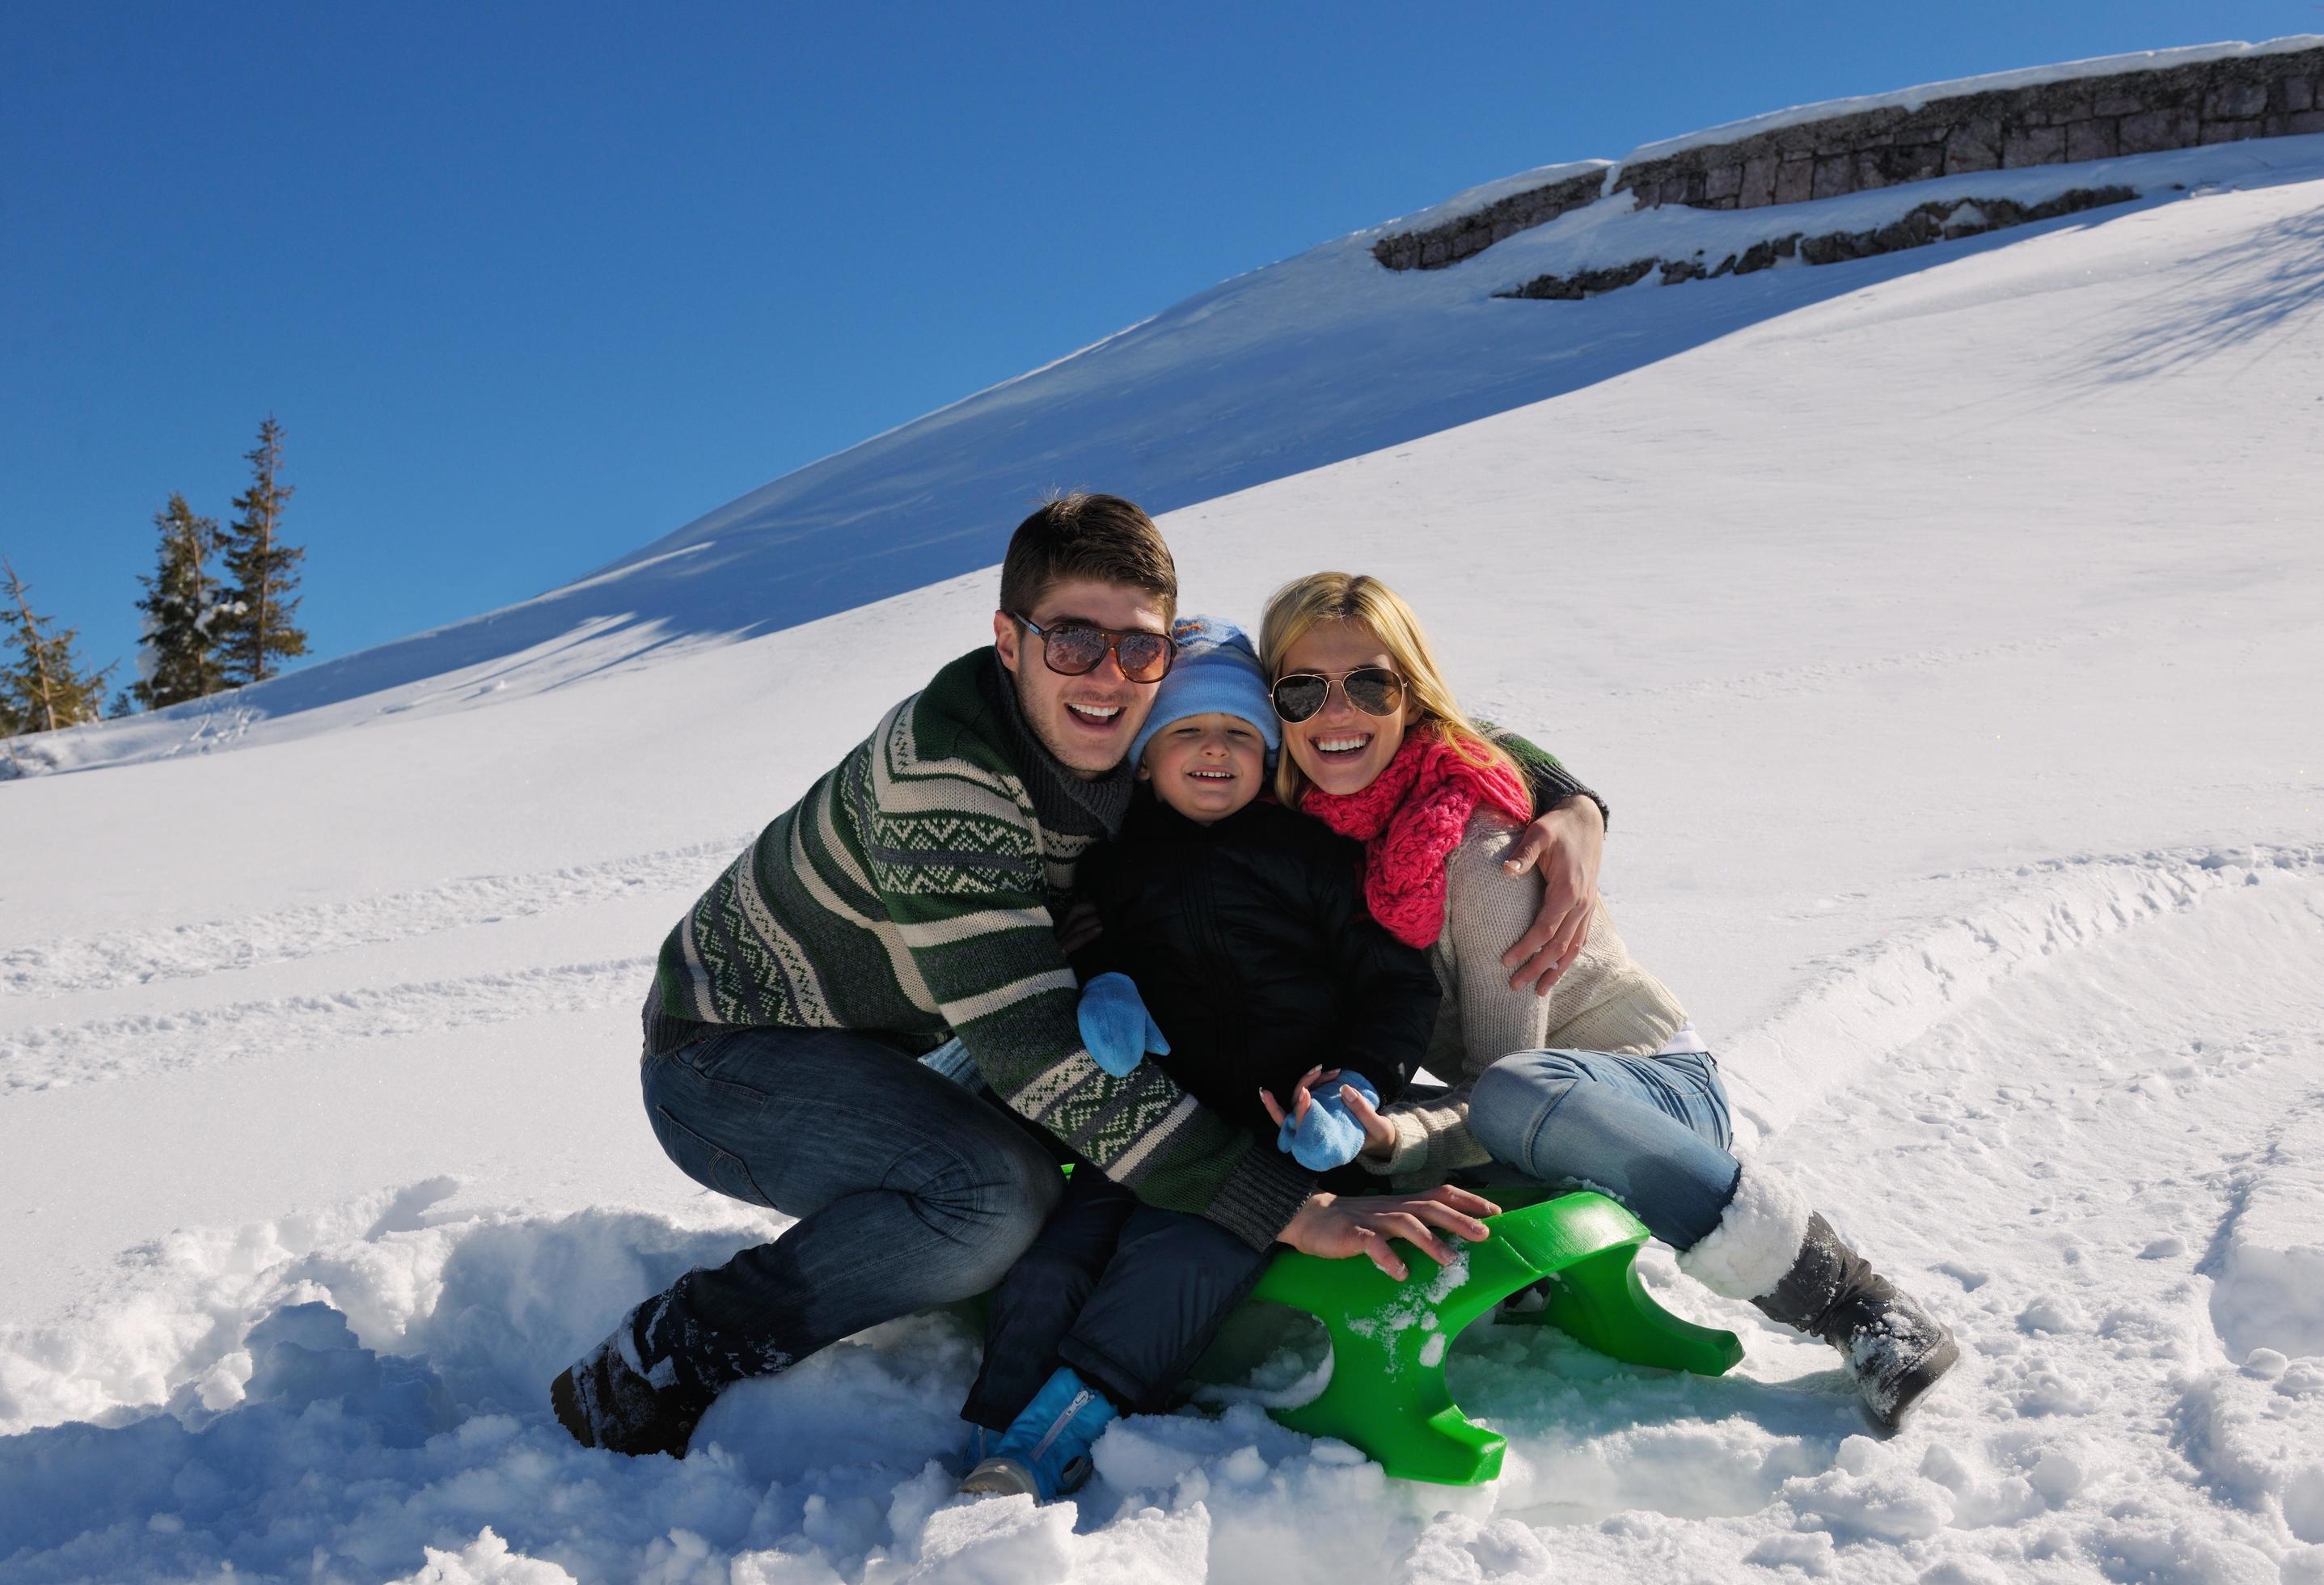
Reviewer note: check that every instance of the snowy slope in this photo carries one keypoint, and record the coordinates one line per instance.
(1321, 358)
(1945, 629)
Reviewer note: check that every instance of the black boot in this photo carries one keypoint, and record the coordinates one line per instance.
(605, 1399)
(1895, 1350)
(1771, 1249)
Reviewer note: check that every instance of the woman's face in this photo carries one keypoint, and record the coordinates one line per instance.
(1341, 749)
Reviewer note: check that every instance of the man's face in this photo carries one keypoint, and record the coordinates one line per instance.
(1088, 721)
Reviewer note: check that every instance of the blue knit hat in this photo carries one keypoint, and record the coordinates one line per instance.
(1217, 669)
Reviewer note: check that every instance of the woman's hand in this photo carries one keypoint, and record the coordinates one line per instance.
(1379, 1134)
(1336, 1227)
(1566, 846)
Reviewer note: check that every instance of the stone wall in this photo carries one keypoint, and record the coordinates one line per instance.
(1449, 244)
(2237, 96)
(2049, 123)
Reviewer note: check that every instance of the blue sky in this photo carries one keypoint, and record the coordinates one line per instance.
(529, 286)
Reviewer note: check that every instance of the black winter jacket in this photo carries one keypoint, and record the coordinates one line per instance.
(1249, 941)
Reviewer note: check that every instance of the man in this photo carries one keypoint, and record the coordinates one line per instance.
(910, 894)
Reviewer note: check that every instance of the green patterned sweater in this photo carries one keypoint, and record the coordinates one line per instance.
(911, 892)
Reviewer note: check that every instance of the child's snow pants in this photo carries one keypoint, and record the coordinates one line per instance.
(1126, 1295)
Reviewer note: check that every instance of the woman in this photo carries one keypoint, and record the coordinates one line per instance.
(1603, 1081)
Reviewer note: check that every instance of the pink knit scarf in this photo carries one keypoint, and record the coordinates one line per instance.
(1410, 819)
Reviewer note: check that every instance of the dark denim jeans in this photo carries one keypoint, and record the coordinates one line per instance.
(910, 1193)
(1651, 1131)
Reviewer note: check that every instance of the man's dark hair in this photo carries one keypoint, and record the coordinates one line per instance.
(1101, 537)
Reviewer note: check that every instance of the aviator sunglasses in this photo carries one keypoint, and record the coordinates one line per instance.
(1373, 689)
(1072, 649)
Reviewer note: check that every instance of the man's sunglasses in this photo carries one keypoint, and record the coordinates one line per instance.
(1373, 689)
(1074, 648)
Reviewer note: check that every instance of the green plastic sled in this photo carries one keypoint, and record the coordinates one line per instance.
(1388, 1395)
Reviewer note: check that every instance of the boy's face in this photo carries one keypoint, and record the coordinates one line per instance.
(1088, 722)
(1205, 767)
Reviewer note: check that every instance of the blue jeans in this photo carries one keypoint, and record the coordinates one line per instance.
(1651, 1131)
(909, 1192)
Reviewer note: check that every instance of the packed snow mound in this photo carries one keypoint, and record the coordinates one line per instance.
(1309, 362)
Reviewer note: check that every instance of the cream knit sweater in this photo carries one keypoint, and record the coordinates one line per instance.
(1605, 1002)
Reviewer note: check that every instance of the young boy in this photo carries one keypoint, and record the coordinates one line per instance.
(1235, 952)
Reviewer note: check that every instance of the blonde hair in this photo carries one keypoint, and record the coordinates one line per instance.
(1364, 602)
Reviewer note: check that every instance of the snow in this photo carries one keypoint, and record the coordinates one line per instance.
(2267, 1269)
(1943, 627)
(1414, 1305)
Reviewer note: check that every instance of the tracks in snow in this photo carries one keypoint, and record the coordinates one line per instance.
(1865, 1004)
(2105, 1180)
(186, 952)
(1875, 999)
(106, 1049)
(318, 1014)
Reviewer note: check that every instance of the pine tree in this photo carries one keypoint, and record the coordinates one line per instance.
(44, 688)
(179, 660)
(253, 628)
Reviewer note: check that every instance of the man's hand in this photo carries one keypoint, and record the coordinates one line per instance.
(1336, 1227)
(1566, 846)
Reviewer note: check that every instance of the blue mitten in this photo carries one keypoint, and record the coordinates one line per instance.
(1116, 1026)
(1327, 1136)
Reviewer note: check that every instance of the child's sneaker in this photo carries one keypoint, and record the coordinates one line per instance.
(1045, 1453)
